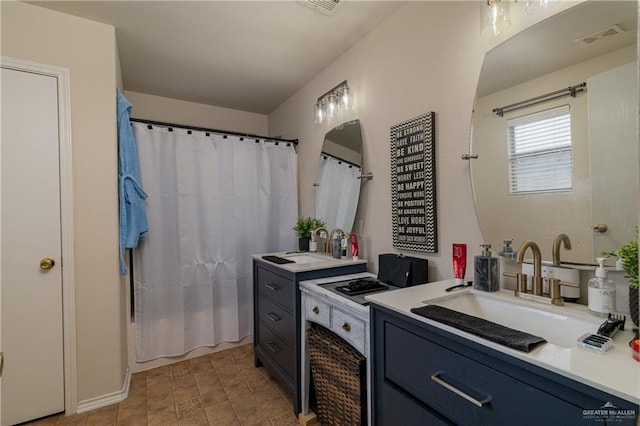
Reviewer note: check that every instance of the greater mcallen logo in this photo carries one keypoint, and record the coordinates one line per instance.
(609, 413)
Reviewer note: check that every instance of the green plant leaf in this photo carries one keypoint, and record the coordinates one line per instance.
(305, 225)
(629, 256)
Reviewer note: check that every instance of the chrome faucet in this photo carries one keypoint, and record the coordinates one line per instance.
(537, 266)
(560, 238)
(330, 239)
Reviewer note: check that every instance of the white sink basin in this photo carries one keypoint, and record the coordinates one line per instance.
(306, 258)
(560, 326)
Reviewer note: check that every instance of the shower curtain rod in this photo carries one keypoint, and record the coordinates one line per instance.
(222, 132)
(569, 91)
(340, 159)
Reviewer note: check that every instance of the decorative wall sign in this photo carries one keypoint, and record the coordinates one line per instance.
(413, 184)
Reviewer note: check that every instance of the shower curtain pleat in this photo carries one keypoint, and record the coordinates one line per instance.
(337, 194)
(212, 203)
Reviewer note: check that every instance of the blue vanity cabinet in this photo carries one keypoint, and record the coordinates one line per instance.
(276, 319)
(423, 375)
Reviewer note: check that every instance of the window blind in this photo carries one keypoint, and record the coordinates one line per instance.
(540, 151)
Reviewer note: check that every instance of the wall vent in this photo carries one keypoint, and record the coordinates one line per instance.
(326, 7)
(606, 33)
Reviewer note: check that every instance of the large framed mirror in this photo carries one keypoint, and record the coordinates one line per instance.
(339, 175)
(593, 42)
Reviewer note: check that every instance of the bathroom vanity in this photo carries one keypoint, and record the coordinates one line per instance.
(425, 372)
(276, 311)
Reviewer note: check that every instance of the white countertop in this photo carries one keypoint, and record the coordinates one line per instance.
(324, 261)
(615, 371)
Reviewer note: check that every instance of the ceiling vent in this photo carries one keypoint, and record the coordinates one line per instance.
(326, 7)
(606, 33)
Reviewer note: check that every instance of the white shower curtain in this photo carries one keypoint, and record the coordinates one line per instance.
(213, 201)
(337, 193)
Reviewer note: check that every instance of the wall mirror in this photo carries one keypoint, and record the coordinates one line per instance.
(592, 42)
(339, 170)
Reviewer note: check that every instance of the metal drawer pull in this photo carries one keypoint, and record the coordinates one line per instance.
(458, 392)
(316, 310)
(273, 347)
(346, 327)
(272, 287)
(273, 317)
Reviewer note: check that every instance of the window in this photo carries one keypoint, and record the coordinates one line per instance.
(540, 151)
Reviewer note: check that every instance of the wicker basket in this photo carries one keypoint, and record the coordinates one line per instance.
(339, 377)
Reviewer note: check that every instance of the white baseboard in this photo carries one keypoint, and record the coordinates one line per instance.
(108, 399)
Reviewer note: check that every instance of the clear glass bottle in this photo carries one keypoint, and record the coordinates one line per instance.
(602, 292)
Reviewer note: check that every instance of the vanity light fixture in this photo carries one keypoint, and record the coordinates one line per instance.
(495, 17)
(540, 6)
(331, 103)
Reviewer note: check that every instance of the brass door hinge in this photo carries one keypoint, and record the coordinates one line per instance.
(1, 362)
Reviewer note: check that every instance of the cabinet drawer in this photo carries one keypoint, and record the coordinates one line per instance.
(466, 390)
(277, 350)
(349, 328)
(395, 405)
(276, 318)
(317, 311)
(276, 288)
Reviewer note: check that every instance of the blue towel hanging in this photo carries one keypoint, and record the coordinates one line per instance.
(133, 212)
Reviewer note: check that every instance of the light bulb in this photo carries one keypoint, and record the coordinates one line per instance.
(332, 106)
(495, 17)
(318, 111)
(540, 6)
(345, 97)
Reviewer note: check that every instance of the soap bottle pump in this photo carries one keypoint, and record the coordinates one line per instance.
(507, 249)
(313, 244)
(602, 292)
(486, 272)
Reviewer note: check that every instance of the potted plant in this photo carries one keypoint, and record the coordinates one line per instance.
(628, 255)
(304, 227)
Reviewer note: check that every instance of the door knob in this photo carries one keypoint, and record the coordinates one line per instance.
(47, 263)
(601, 227)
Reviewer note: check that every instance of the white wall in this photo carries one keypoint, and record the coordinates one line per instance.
(87, 49)
(426, 57)
(158, 108)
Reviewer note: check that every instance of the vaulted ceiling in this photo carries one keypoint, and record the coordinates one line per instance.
(245, 55)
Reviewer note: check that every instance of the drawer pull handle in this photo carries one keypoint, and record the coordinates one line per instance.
(346, 327)
(272, 287)
(458, 392)
(273, 347)
(273, 317)
(316, 310)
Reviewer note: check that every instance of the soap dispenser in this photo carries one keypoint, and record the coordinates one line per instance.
(336, 247)
(507, 249)
(313, 244)
(602, 292)
(486, 271)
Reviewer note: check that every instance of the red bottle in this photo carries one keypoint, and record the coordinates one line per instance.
(354, 246)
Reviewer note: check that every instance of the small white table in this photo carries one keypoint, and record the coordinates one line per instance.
(347, 319)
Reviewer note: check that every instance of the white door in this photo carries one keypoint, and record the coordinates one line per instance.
(613, 146)
(31, 295)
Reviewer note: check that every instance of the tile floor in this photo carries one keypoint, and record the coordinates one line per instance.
(223, 388)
